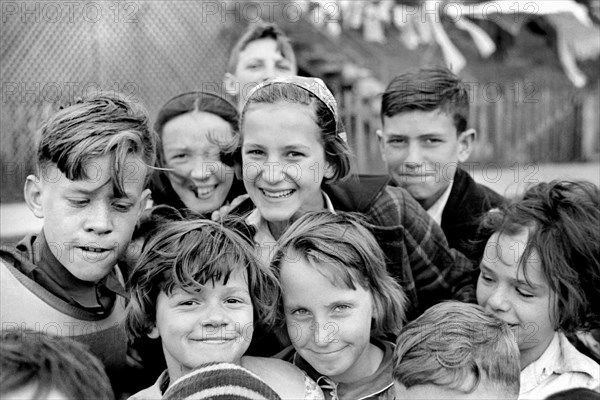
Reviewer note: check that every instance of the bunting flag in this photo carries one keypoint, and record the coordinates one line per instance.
(420, 23)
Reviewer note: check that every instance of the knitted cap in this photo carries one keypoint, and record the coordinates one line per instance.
(220, 381)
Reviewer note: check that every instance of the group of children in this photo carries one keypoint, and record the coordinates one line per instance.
(304, 289)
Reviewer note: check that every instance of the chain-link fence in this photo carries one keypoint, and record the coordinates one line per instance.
(55, 52)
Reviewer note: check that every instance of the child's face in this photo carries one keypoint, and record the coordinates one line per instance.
(421, 150)
(283, 160)
(215, 324)
(199, 177)
(86, 226)
(503, 290)
(329, 326)
(259, 61)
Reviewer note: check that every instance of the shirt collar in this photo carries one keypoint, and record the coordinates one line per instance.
(367, 387)
(263, 233)
(49, 272)
(437, 209)
(560, 357)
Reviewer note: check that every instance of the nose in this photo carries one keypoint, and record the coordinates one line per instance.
(273, 171)
(269, 72)
(214, 316)
(414, 157)
(203, 169)
(99, 219)
(498, 301)
(324, 332)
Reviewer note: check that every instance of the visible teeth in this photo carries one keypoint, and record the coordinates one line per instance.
(277, 195)
(204, 191)
(93, 249)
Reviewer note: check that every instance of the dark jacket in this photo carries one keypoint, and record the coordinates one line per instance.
(467, 203)
(418, 255)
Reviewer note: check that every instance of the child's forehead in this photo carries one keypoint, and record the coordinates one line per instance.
(99, 174)
(338, 275)
(235, 279)
(508, 250)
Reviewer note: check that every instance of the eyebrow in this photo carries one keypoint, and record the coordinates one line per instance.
(296, 147)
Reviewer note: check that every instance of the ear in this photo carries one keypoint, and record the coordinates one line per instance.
(379, 134)
(33, 193)
(154, 334)
(465, 144)
(145, 197)
(231, 84)
(329, 172)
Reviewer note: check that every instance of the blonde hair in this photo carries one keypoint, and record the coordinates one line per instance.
(458, 346)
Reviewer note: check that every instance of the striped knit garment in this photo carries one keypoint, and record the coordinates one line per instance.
(220, 381)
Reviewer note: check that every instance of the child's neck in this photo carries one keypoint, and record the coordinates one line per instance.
(365, 366)
(528, 356)
(277, 228)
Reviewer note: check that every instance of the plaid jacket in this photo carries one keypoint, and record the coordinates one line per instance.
(416, 248)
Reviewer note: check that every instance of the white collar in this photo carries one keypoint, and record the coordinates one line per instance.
(437, 209)
(559, 357)
(263, 238)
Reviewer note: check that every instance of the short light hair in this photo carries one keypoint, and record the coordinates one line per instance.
(341, 248)
(50, 362)
(95, 127)
(187, 255)
(261, 30)
(457, 346)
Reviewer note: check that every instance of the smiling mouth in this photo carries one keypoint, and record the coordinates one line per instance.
(203, 192)
(215, 341)
(327, 353)
(94, 249)
(281, 194)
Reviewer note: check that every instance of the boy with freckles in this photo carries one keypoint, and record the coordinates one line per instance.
(93, 162)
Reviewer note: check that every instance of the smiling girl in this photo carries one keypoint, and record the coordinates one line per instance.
(195, 130)
(541, 274)
(338, 305)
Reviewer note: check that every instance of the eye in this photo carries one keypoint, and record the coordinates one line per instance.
(300, 312)
(485, 277)
(524, 294)
(188, 303)
(78, 202)
(342, 307)
(433, 141)
(254, 152)
(234, 300)
(396, 140)
(253, 66)
(122, 206)
(295, 154)
(178, 157)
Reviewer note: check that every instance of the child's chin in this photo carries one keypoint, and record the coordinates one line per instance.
(92, 271)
